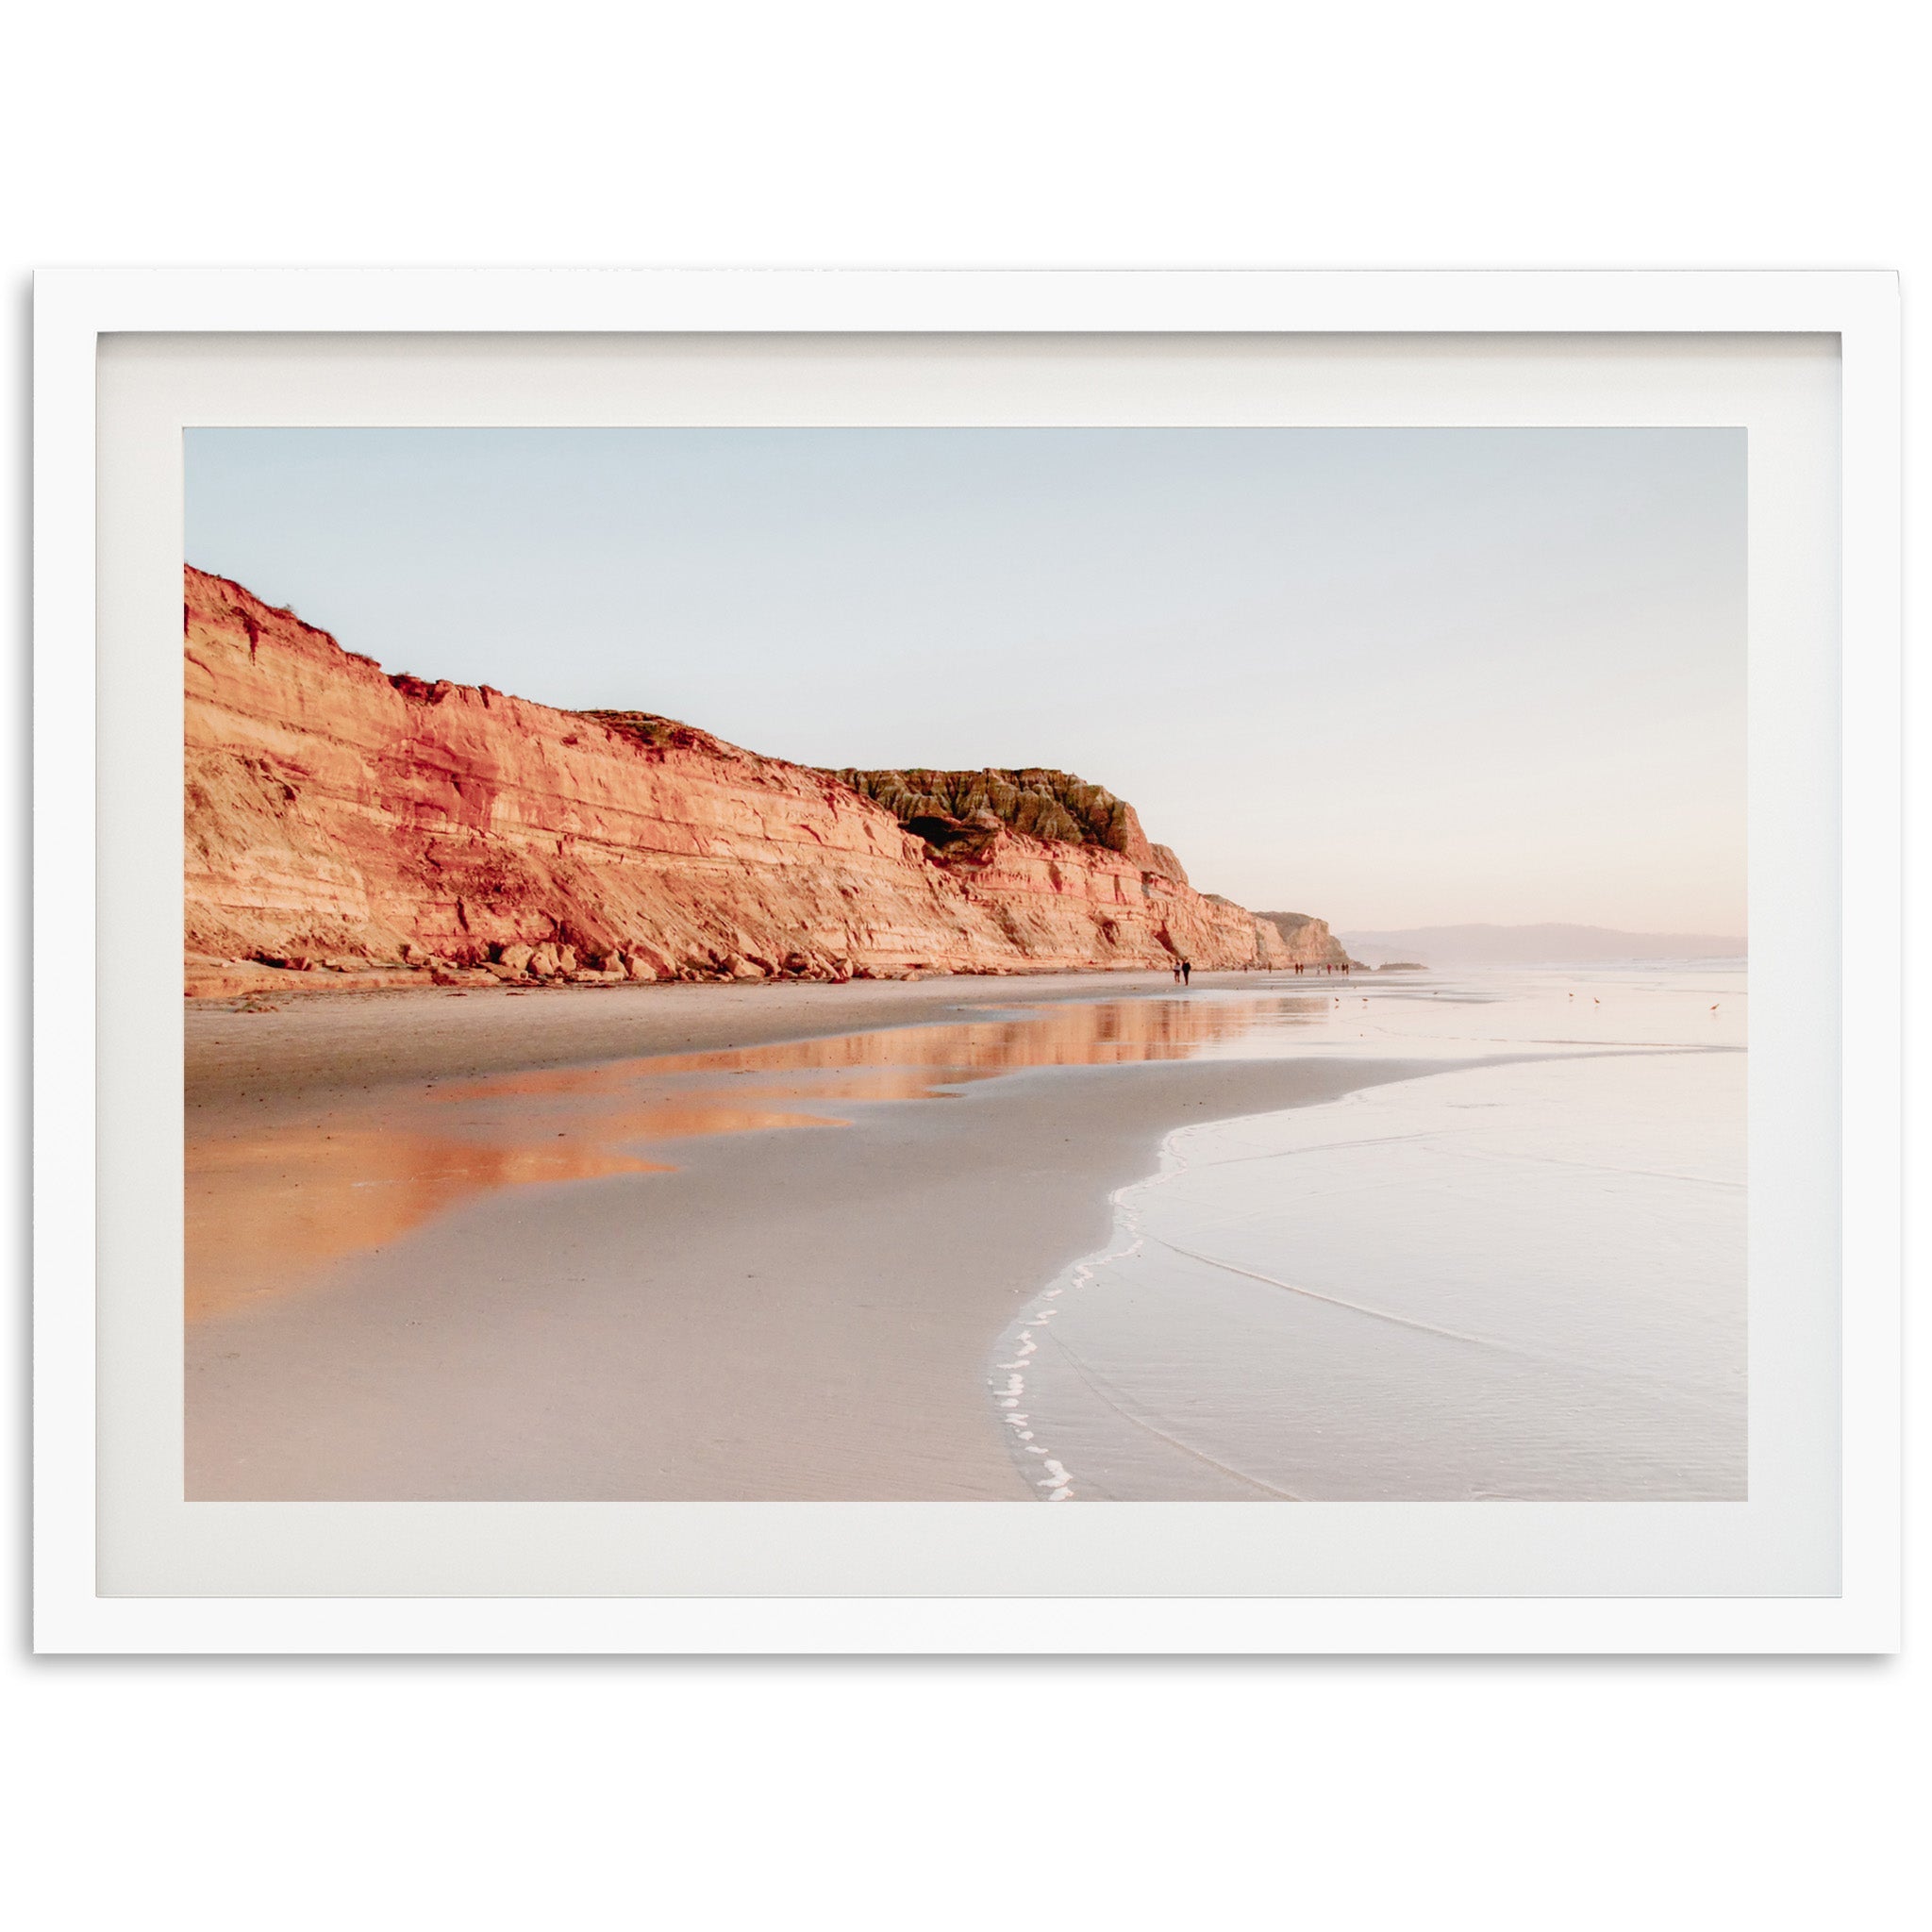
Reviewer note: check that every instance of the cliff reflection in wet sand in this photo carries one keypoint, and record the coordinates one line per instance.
(269, 1207)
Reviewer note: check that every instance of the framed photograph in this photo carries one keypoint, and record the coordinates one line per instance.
(817, 909)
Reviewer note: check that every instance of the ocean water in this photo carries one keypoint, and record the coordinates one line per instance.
(1523, 1280)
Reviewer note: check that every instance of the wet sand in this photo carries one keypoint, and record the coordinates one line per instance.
(310, 1042)
(701, 1307)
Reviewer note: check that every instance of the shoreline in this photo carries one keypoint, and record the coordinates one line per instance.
(715, 1243)
(1222, 1347)
(643, 1336)
(322, 1043)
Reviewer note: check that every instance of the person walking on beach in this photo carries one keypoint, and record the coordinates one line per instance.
(1176, 971)
(1187, 972)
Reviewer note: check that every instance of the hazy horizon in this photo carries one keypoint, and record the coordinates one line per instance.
(1395, 678)
(1476, 943)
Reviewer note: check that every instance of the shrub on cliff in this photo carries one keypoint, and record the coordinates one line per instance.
(1042, 804)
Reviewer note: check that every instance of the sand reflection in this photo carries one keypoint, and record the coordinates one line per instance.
(271, 1209)
(1062, 1035)
(268, 1208)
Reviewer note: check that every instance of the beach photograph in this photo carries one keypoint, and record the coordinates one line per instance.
(1044, 1035)
(965, 965)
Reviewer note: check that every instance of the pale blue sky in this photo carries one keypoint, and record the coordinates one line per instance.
(1391, 677)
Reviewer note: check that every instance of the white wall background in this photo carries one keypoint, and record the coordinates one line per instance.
(911, 1795)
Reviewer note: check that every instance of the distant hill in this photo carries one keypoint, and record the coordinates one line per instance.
(1536, 945)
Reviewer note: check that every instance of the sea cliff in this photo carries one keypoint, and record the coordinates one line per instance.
(356, 827)
(1308, 939)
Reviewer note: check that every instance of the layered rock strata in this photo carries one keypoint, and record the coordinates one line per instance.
(1309, 941)
(357, 827)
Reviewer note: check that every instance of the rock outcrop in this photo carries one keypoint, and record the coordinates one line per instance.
(950, 808)
(1307, 939)
(358, 828)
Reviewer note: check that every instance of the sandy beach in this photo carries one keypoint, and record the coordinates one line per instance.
(788, 1293)
(281, 1051)
(1067, 1237)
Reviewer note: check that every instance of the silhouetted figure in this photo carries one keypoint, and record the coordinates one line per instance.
(1187, 972)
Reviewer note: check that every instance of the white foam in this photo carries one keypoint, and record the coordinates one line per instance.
(1521, 1280)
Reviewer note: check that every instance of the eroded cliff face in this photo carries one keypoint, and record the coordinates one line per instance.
(1309, 941)
(340, 820)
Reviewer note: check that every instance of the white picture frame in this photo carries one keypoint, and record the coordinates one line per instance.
(75, 310)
